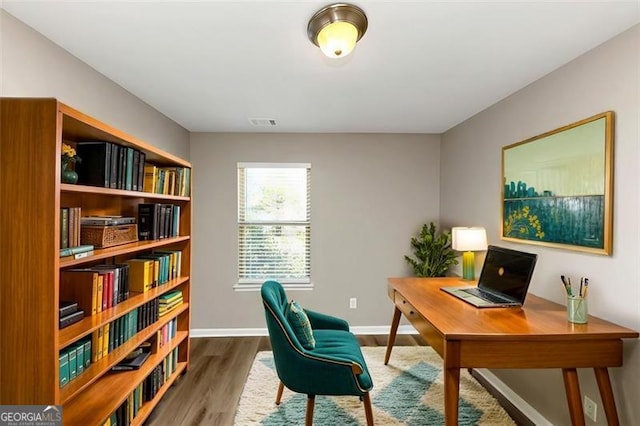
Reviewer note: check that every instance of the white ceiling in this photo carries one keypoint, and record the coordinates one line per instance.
(422, 66)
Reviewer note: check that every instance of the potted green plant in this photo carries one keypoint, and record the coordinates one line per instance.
(433, 253)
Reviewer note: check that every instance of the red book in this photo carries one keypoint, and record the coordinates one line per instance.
(107, 286)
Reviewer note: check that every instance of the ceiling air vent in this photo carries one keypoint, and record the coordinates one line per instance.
(263, 122)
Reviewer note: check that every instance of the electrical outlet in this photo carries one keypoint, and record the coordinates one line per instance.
(590, 408)
(353, 303)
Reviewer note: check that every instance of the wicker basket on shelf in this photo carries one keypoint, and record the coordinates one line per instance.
(108, 236)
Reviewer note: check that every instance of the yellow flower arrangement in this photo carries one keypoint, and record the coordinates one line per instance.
(522, 223)
(69, 156)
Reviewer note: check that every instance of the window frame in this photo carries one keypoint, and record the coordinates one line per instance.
(248, 284)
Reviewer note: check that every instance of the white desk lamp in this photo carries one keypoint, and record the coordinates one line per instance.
(468, 240)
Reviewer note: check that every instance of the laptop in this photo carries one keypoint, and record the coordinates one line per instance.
(503, 282)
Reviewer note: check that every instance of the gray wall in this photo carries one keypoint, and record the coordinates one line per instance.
(33, 66)
(607, 78)
(370, 193)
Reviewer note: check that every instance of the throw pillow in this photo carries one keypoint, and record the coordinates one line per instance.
(301, 325)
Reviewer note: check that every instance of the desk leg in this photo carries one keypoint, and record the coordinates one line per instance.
(451, 395)
(572, 389)
(606, 394)
(392, 334)
(451, 360)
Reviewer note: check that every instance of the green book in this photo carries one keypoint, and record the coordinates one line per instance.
(63, 362)
(87, 353)
(118, 334)
(79, 358)
(171, 296)
(73, 365)
(76, 250)
(64, 227)
(128, 182)
(112, 335)
(175, 359)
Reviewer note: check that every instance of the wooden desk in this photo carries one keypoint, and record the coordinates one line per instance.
(536, 336)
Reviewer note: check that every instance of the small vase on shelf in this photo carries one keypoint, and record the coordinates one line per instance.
(68, 175)
(69, 157)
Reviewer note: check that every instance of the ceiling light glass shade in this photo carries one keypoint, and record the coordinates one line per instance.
(337, 28)
(338, 39)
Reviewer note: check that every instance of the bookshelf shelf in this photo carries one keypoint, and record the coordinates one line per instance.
(120, 192)
(32, 131)
(124, 249)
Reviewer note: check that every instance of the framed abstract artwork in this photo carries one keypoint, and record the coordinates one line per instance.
(558, 187)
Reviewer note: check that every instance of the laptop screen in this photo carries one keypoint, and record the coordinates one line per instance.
(508, 272)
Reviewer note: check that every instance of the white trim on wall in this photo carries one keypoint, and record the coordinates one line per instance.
(522, 405)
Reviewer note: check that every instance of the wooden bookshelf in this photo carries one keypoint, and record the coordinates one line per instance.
(32, 132)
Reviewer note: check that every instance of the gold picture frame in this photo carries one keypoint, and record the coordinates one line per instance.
(557, 187)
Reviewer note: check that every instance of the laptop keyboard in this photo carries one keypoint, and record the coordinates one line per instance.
(486, 295)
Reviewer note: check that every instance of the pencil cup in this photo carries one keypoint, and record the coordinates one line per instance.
(577, 309)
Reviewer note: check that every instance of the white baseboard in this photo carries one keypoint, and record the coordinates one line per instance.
(240, 332)
(228, 332)
(522, 405)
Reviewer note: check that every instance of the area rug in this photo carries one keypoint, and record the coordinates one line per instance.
(408, 391)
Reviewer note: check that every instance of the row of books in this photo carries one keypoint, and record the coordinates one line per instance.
(109, 165)
(157, 221)
(96, 288)
(167, 332)
(169, 301)
(73, 360)
(69, 227)
(128, 410)
(112, 335)
(150, 270)
(167, 180)
(148, 314)
(145, 391)
(100, 287)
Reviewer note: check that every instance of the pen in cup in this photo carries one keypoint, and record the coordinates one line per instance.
(583, 291)
(567, 284)
(577, 311)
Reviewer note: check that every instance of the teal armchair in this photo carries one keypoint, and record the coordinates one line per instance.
(335, 366)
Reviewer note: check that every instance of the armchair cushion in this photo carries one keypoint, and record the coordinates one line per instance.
(300, 324)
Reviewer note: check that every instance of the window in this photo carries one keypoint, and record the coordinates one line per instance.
(274, 223)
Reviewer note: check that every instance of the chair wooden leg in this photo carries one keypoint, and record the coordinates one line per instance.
(311, 400)
(279, 394)
(367, 409)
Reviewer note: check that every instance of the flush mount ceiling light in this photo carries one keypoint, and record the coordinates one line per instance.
(336, 29)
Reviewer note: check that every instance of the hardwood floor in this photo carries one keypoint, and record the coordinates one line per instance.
(209, 392)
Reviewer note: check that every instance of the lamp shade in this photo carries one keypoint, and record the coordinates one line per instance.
(469, 239)
(336, 29)
(338, 39)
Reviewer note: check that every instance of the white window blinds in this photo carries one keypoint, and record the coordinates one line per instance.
(274, 223)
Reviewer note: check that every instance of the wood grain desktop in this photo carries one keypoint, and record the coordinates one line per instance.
(537, 335)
